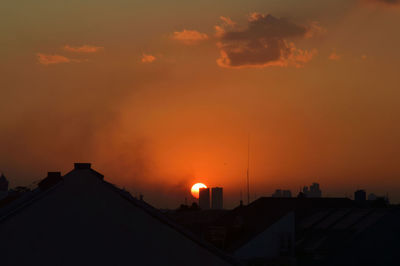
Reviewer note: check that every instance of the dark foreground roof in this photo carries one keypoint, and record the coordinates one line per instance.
(345, 234)
(246, 222)
(265, 211)
(232, 229)
(80, 219)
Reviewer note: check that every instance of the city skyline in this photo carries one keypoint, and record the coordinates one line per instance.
(207, 198)
(83, 205)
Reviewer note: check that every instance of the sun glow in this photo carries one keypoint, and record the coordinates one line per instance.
(195, 189)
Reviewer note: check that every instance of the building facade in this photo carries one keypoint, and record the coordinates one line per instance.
(204, 198)
(360, 195)
(313, 191)
(3, 183)
(279, 193)
(3, 186)
(217, 198)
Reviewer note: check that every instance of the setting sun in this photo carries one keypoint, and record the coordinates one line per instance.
(195, 189)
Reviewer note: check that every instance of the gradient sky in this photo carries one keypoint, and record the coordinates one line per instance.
(159, 95)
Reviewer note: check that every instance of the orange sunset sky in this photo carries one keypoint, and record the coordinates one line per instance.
(159, 95)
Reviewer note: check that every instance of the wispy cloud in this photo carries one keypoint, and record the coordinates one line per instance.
(227, 21)
(51, 59)
(314, 28)
(265, 41)
(189, 36)
(83, 48)
(226, 24)
(387, 3)
(334, 56)
(148, 58)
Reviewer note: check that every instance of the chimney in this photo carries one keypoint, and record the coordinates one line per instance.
(51, 179)
(82, 166)
(53, 174)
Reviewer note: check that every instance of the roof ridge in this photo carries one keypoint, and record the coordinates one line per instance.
(155, 213)
(26, 201)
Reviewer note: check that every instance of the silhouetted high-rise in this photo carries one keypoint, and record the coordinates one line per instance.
(360, 195)
(3, 186)
(204, 198)
(217, 198)
(3, 183)
(372, 197)
(312, 192)
(279, 193)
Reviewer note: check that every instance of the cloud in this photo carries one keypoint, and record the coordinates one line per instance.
(83, 49)
(226, 25)
(263, 42)
(47, 59)
(51, 59)
(148, 58)
(189, 36)
(227, 21)
(334, 56)
(384, 2)
(314, 29)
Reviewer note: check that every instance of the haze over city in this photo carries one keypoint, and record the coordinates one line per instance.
(160, 95)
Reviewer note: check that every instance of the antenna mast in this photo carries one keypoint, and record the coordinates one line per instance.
(248, 169)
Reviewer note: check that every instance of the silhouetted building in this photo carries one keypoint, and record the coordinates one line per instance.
(3, 186)
(84, 220)
(187, 208)
(372, 197)
(327, 229)
(262, 233)
(204, 198)
(277, 193)
(217, 198)
(360, 195)
(313, 191)
(257, 233)
(286, 194)
(282, 194)
(3, 183)
(51, 179)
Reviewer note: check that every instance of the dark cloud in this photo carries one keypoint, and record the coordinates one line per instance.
(385, 2)
(264, 42)
(390, 2)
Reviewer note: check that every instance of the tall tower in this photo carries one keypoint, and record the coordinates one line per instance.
(360, 195)
(248, 171)
(3, 183)
(204, 198)
(217, 198)
(3, 186)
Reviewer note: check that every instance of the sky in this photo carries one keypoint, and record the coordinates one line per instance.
(159, 95)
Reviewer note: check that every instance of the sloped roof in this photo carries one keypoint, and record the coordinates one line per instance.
(336, 226)
(377, 244)
(361, 236)
(245, 222)
(83, 220)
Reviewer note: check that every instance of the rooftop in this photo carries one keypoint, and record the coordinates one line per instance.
(97, 223)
